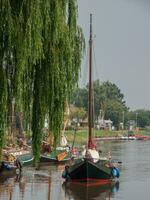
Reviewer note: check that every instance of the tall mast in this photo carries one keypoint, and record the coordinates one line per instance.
(90, 98)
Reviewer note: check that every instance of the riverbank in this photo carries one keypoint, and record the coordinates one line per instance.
(80, 136)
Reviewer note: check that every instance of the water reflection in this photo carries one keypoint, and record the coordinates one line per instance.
(7, 186)
(46, 183)
(83, 191)
(29, 185)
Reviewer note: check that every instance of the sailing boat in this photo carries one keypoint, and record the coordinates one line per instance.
(62, 153)
(91, 166)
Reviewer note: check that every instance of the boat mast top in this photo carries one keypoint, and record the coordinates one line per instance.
(90, 95)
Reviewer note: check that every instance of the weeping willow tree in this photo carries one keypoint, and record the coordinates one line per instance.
(41, 50)
(6, 69)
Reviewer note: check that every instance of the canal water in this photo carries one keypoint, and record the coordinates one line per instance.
(47, 184)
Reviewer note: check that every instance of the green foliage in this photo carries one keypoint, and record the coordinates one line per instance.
(141, 117)
(3, 109)
(79, 98)
(77, 112)
(112, 92)
(114, 111)
(41, 50)
(107, 97)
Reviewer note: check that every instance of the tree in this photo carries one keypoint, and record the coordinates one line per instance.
(111, 91)
(141, 117)
(113, 111)
(41, 48)
(107, 97)
(77, 112)
(79, 98)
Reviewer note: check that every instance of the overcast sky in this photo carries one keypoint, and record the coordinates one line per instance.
(122, 45)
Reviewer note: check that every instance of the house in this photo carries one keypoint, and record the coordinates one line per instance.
(104, 124)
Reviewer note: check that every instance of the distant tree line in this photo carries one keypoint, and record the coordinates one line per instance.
(141, 117)
(109, 101)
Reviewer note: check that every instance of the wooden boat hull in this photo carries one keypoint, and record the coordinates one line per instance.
(86, 170)
(26, 159)
(45, 158)
(53, 157)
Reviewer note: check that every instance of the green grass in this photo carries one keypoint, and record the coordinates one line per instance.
(81, 135)
(142, 132)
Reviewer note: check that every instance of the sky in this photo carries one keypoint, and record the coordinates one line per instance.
(121, 31)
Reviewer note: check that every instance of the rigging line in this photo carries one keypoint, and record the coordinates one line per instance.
(93, 113)
(96, 73)
(84, 74)
(74, 136)
(93, 93)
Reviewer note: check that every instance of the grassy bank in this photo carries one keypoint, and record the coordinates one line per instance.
(81, 135)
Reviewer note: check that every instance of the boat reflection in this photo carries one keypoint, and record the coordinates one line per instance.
(4, 179)
(34, 181)
(83, 191)
(7, 186)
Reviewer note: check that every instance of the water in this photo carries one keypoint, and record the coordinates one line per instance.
(47, 184)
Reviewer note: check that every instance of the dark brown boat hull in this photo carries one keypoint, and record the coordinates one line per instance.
(87, 170)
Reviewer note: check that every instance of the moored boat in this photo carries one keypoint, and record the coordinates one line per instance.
(128, 138)
(91, 167)
(8, 169)
(59, 154)
(142, 137)
(23, 156)
(26, 159)
(62, 153)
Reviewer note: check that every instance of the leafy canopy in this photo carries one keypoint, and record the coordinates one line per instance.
(40, 54)
(107, 97)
